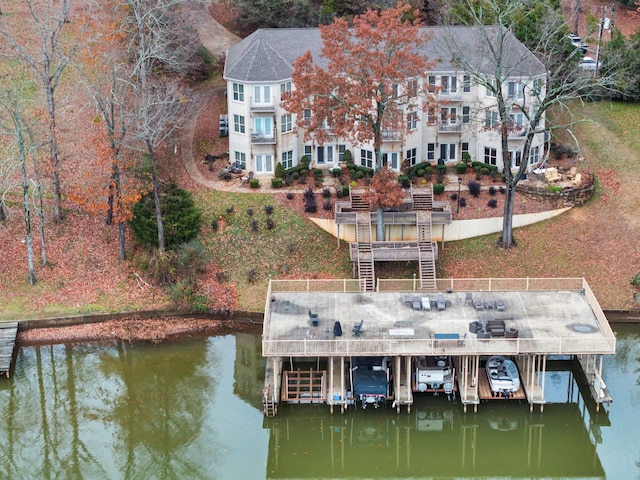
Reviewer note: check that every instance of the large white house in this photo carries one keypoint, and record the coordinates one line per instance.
(261, 133)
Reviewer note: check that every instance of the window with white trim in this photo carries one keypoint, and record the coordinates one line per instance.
(431, 151)
(263, 127)
(286, 123)
(466, 83)
(412, 156)
(431, 83)
(240, 160)
(515, 90)
(366, 158)
(490, 155)
(308, 152)
(341, 149)
(285, 87)
(263, 163)
(412, 88)
(464, 148)
(262, 94)
(238, 92)
(287, 159)
(412, 120)
(449, 85)
(515, 157)
(491, 88)
(448, 152)
(466, 114)
(490, 119)
(448, 115)
(534, 155)
(238, 124)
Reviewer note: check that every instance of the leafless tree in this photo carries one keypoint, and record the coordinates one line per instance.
(54, 54)
(563, 83)
(112, 93)
(20, 148)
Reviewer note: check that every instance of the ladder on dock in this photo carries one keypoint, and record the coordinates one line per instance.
(305, 386)
(269, 404)
(8, 333)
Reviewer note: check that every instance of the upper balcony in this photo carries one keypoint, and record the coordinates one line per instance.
(450, 96)
(262, 137)
(391, 135)
(448, 127)
(263, 106)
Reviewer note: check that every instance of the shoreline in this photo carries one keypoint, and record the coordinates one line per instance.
(152, 330)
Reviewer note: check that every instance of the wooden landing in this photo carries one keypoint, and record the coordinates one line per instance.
(485, 393)
(304, 386)
(8, 332)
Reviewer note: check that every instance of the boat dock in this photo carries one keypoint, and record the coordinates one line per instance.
(467, 320)
(8, 333)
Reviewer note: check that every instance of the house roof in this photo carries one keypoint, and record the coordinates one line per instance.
(267, 55)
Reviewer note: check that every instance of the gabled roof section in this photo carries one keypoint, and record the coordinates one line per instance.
(267, 55)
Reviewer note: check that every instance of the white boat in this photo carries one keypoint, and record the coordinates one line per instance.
(503, 375)
(434, 374)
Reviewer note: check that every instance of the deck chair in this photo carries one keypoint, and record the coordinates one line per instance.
(416, 303)
(478, 303)
(500, 305)
(313, 317)
(440, 302)
(468, 298)
(357, 329)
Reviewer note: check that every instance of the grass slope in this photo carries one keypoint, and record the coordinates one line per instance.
(597, 240)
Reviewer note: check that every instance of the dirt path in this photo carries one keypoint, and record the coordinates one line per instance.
(213, 36)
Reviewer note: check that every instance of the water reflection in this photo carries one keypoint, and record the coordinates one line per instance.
(192, 409)
(436, 440)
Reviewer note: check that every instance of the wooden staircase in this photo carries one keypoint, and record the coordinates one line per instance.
(358, 203)
(366, 273)
(426, 256)
(305, 386)
(423, 199)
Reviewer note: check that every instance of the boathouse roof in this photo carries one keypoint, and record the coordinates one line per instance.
(534, 316)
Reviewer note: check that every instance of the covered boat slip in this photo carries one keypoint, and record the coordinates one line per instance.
(542, 316)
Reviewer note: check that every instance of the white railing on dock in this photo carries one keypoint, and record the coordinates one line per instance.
(442, 285)
(467, 346)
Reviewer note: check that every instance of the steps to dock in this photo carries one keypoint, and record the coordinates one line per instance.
(8, 332)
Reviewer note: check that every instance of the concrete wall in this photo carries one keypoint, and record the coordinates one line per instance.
(456, 230)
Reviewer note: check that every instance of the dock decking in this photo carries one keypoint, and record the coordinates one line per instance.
(8, 332)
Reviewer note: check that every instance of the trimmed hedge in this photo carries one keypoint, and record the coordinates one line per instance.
(478, 166)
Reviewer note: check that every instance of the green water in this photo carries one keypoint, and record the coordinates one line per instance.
(191, 409)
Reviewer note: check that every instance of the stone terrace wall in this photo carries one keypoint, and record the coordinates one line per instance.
(569, 196)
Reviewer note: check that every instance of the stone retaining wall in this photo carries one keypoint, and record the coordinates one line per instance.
(567, 197)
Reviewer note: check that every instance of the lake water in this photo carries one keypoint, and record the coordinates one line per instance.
(191, 409)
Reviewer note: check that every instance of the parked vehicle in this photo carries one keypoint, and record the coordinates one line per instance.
(503, 375)
(370, 380)
(588, 63)
(434, 374)
(577, 42)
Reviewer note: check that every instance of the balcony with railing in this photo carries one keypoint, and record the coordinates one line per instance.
(391, 135)
(267, 105)
(449, 127)
(262, 137)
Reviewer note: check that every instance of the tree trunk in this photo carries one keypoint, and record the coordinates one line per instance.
(506, 241)
(122, 254)
(3, 217)
(43, 238)
(156, 199)
(53, 150)
(27, 212)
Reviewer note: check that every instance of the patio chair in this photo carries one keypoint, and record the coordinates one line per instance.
(357, 329)
(478, 303)
(440, 302)
(500, 305)
(313, 317)
(416, 303)
(468, 298)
